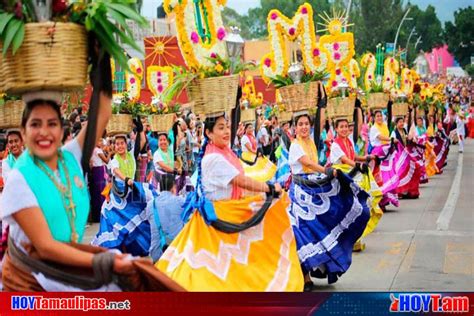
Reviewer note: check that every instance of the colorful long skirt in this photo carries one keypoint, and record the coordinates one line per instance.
(123, 222)
(261, 258)
(328, 218)
(386, 174)
(368, 184)
(142, 169)
(283, 167)
(441, 149)
(97, 185)
(410, 178)
(430, 160)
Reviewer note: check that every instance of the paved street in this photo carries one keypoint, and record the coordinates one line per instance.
(407, 252)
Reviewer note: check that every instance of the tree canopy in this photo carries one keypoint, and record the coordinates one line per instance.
(460, 35)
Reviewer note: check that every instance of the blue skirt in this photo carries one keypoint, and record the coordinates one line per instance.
(328, 217)
(123, 222)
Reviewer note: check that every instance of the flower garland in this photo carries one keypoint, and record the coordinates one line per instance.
(195, 51)
(355, 73)
(301, 27)
(158, 79)
(406, 81)
(391, 70)
(369, 62)
(133, 79)
(250, 97)
(340, 48)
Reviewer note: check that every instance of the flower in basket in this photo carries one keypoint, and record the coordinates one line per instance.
(107, 20)
(220, 67)
(283, 81)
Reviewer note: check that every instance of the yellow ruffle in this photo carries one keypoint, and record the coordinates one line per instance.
(430, 160)
(263, 170)
(262, 258)
(368, 184)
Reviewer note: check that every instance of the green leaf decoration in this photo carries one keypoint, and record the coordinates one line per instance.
(10, 32)
(18, 39)
(4, 19)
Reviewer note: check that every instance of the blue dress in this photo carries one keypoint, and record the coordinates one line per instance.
(327, 220)
(123, 223)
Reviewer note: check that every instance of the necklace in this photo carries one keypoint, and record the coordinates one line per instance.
(65, 190)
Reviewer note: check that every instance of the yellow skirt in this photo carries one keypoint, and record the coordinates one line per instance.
(430, 160)
(262, 258)
(263, 170)
(368, 184)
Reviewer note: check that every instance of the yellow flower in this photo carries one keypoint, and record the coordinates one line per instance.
(219, 68)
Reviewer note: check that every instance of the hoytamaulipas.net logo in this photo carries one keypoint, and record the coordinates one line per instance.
(428, 302)
(30, 302)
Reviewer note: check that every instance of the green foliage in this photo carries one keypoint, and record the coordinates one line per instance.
(459, 36)
(376, 87)
(281, 81)
(470, 70)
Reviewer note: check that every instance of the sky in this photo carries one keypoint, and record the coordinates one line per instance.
(444, 8)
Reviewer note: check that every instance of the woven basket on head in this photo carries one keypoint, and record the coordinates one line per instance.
(285, 116)
(248, 115)
(53, 56)
(11, 113)
(162, 122)
(300, 97)
(400, 109)
(340, 107)
(120, 124)
(349, 118)
(420, 112)
(378, 100)
(211, 95)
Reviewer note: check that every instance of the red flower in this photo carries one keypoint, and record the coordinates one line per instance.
(304, 10)
(268, 62)
(338, 72)
(59, 6)
(291, 31)
(334, 83)
(132, 80)
(336, 46)
(274, 16)
(316, 52)
(337, 56)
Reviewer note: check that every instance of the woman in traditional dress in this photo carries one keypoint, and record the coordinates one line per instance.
(46, 202)
(163, 159)
(123, 222)
(385, 175)
(344, 157)
(328, 215)
(223, 247)
(412, 153)
(249, 143)
(15, 149)
(97, 184)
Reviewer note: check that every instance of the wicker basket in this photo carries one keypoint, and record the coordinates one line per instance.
(213, 95)
(420, 112)
(120, 124)
(285, 116)
(10, 114)
(46, 62)
(378, 100)
(248, 115)
(400, 109)
(300, 97)
(340, 107)
(162, 122)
